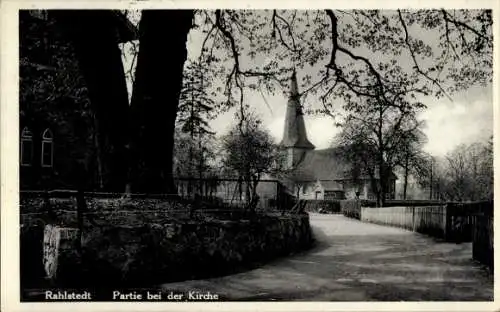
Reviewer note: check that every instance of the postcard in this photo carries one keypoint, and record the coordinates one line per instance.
(241, 156)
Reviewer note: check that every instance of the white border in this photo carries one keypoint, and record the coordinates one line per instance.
(9, 169)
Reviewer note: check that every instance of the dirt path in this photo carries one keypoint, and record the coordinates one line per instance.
(355, 261)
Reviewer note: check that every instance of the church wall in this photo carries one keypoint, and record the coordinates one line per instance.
(309, 191)
(294, 156)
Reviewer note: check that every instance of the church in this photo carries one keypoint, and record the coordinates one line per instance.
(318, 174)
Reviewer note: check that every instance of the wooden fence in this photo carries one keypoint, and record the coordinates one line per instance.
(482, 240)
(460, 219)
(452, 221)
(428, 220)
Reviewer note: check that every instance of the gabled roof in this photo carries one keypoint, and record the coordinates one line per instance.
(325, 165)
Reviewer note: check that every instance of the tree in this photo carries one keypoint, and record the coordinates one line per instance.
(251, 152)
(155, 96)
(464, 174)
(195, 106)
(53, 94)
(356, 54)
(379, 136)
(193, 160)
(469, 173)
(412, 159)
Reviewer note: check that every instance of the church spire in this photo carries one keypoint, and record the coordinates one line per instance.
(294, 89)
(295, 135)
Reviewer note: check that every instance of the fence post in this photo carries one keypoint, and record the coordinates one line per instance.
(447, 222)
(47, 207)
(413, 218)
(81, 207)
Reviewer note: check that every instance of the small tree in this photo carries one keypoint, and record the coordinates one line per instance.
(465, 173)
(412, 159)
(250, 152)
(376, 134)
(195, 108)
(469, 172)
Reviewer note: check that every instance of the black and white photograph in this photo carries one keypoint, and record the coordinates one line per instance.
(275, 154)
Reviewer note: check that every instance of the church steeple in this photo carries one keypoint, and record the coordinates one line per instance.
(295, 135)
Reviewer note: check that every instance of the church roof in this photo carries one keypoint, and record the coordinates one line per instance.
(295, 130)
(331, 185)
(325, 165)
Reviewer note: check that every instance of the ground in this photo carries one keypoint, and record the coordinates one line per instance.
(355, 261)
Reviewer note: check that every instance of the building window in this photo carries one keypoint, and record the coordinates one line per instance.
(26, 147)
(47, 148)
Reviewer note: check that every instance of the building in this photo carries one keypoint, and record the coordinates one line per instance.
(57, 127)
(319, 174)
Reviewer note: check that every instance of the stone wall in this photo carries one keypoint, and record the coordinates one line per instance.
(140, 253)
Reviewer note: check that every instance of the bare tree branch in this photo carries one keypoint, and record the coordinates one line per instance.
(415, 62)
(290, 33)
(378, 87)
(449, 18)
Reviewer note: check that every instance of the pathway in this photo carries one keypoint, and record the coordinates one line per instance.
(355, 261)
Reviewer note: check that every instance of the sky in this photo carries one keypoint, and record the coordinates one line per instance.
(465, 119)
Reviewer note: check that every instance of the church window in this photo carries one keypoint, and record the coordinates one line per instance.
(26, 147)
(47, 148)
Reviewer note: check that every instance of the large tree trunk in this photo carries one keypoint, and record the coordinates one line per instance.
(99, 56)
(155, 98)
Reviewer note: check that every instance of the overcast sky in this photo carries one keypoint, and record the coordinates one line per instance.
(466, 119)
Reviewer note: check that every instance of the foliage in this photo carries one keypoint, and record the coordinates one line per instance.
(48, 73)
(54, 95)
(413, 161)
(348, 54)
(464, 174)
(195, 104)
(343, 54)
(469, 173)
(250, 152)
(194, 142)
(377, 136)
(192, 159)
